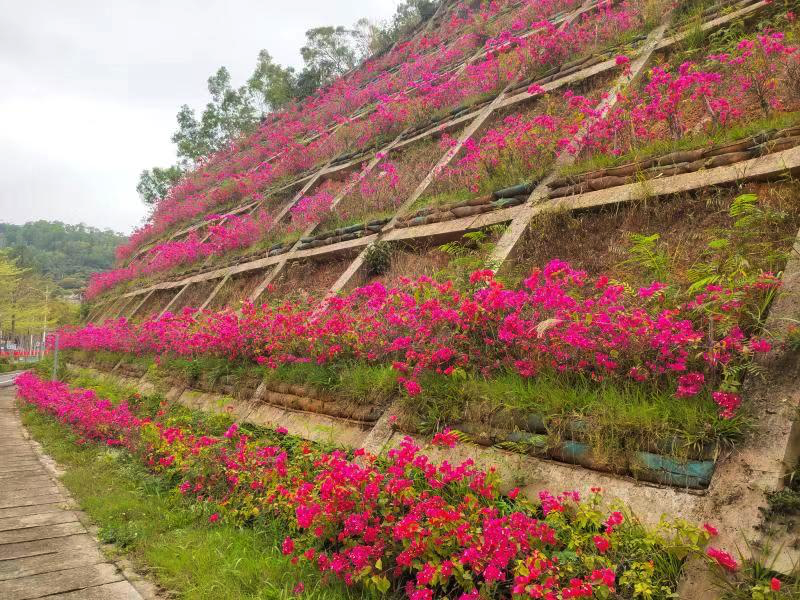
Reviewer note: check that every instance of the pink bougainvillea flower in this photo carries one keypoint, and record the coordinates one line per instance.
(722, 558)
(288, 546)
(602, 543)
(446, 438)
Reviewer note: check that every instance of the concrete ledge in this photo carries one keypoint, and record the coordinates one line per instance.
(769, 167)
(532, 475)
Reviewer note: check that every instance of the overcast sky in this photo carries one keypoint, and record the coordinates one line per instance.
(89, 90)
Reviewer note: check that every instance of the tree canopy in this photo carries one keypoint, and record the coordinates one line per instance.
(67, 254)
(30, 302)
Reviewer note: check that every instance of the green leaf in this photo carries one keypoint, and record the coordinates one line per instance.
(381, 583)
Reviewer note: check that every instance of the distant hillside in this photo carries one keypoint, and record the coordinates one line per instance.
(67, 254)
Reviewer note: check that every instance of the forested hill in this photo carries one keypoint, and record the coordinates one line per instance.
(67, 254)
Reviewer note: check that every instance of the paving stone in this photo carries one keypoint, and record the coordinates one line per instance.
(122, 590)
(38, 520)
(52, 556)
(44, 532)
(10, 496)
(15, 473)
(59, 582)
(9, 552)
(32, 501)
(36, 509)
(45, 551)
(35, 482)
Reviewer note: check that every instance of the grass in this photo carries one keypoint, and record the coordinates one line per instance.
(359, 382)
(10, 366)
(657, 148)
(507, 173)
(166, 537)
(354, 381)
(612, 418)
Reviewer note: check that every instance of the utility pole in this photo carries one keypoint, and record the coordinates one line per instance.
(55, 357)
(44, 321)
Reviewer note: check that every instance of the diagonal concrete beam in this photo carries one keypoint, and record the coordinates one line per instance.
(215, 291)
(175, 298)
(141, 304)
(516, 230)
(311, 228)
(465, 135)
(274, 272)
(420, 231)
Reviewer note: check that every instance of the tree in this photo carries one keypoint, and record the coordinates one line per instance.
(230, 111)
(59, 251)
(192, 143)
(229, 114)
(331, 51)
(10, 275)
(271, 86)
(156, 182)
(28, 301)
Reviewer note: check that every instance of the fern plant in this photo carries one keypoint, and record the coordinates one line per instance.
(738, 255)
(468, 254)
(648, 256)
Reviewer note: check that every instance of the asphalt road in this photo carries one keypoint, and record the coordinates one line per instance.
(7, 379)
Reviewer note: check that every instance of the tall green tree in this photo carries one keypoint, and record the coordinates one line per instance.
(328, 53)
(331, 51)
(229, 114)
(156, 182)
(29, 302)
(271, 86)
(408, 16)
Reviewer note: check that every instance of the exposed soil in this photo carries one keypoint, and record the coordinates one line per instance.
(195, 296)
(237, 289)
(411, 263)
(154, 305)
(304, 279)
(598, 241)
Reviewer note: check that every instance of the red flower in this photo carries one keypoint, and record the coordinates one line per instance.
(288, 546)
(445, 438)
(213, 518)
(614, 519)
(775, 584)
(723, 559)
(602, 543)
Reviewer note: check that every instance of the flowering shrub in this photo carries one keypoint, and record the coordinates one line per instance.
(558, 321)
(728, 87)
(731, 86)
(519, 40)
(756, 76)
(311, 209)
(430, 530)
(230, 233)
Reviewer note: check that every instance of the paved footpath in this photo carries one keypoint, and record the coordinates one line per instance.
(45, 551)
